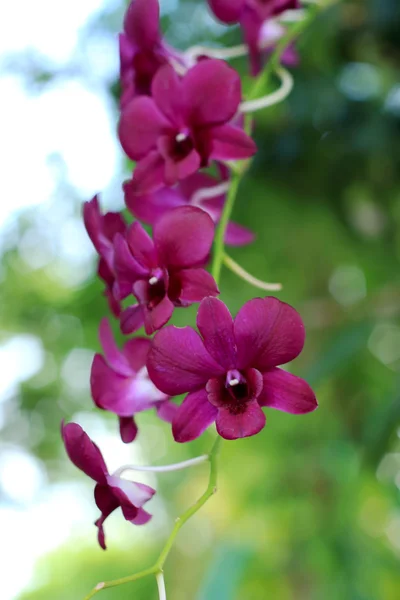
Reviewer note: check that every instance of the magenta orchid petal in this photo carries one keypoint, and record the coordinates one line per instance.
(167, 93)
(180, 169)
(193, 417)
(286, 392)
(129, 492)
(141, 246)
(158, 316)
(142, 517)
(136, 352)
(212, 92)
(227, 11)
(149, 174)
(178, 361)
(127, 269)
(132, 319)
(237, 235)
(141, 23)
(166, 410)
(116, 393)
(183, 237)
(83, 452)
(106, 503)
(140, 126)
(231, 143)
(231, 425)
(128, 429)
(251, 23)
(112, 353)
(268, 333)
(150, 207)
(195, 284)
(215, 323)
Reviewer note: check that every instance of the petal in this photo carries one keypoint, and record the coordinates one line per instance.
(237, 235)
(268, 333)
(167, 92)
(132, 319)
(227, 11)
(83, 452)
(130, 493)
(128, 429)
(251, 24)
(231, 143)
(93, 221)
(142, 517)
(140, 126)
(115, 393)
(212, 92)
(183, 237)
(112, 353)
(149, 174)
(142, 246)
(166, 410)
(136, 352)
(141, 23)
(158, 316)
(150, 207)
(194, 285)
(286, 392)
(193, 417)
(176, 170)
(127, 269)
(232, 425)
(178, 361)
(215, 323)
(107, 503)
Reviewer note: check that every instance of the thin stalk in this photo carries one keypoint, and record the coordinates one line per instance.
(219, 242)
(157, 568)
(243, 274)
(163, 469)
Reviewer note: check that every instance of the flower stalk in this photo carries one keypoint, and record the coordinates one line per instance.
(163, 469)
(157, 568)
(243, 274)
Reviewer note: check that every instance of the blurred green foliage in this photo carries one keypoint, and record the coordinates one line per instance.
(301, 512)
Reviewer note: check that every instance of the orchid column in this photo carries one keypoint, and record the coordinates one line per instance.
(185, 123)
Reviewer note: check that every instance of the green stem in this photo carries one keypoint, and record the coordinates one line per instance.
(219, 243)
(180, 521)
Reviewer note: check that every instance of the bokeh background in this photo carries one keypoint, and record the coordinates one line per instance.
(309, 508)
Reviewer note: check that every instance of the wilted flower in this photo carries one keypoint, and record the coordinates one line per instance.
(111, 492)
(120, 383)
(166, 272)
(101, 230)
(184, 125)
(252, 15)
(230, 371)
(142, 49)
(151, 207)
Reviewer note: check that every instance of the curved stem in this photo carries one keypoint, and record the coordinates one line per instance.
(271, 99)
(163, 469)
(243, 274)
(156, 569)
(209, 192)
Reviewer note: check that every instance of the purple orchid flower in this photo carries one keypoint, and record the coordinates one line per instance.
(111, 492)
(184, 125)
(252, 15)
(151, 207)
(101, 230)
(230, 370)
(166, 272)
(142, 49)
(120, 383)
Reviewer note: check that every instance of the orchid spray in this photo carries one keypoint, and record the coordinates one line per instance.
(185, 123)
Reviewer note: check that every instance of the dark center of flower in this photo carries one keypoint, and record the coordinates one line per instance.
(237, 385)
(156, 290)
(182, 146)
